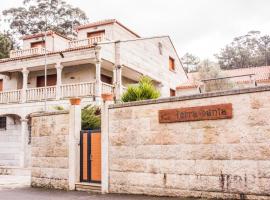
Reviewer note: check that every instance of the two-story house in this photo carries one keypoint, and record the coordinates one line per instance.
(105, 58)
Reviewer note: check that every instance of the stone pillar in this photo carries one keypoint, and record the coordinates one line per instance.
(105, 147)
(74, 141)
(24, 136)
(25, 73)
(118, 71)
(98, 74)
(59, 69)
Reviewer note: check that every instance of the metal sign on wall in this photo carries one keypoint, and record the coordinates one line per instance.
(210, 112)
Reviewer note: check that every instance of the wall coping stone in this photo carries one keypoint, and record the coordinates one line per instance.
(40, 114)
(191, 97)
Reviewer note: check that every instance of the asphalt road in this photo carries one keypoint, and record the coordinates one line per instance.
(41, 194)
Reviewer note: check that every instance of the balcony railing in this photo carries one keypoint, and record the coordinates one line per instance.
(78, 90)
(13, 96)
(85, 42)
(27, 52)
(227, 83)
(66, 91)
(40, 94)
(107, 88)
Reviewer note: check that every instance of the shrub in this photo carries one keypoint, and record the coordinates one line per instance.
(91, 118)
(144, 90)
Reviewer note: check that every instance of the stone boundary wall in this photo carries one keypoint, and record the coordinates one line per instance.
(228, 159)
(50, 140)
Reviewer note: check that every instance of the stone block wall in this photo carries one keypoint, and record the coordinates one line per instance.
(50, 163)
(228, 159)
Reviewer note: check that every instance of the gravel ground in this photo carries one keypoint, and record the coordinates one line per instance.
(41, 194)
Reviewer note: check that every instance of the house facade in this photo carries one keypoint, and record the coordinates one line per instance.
(105, 58)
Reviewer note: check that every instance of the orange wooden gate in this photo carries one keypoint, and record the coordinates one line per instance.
(90, 157)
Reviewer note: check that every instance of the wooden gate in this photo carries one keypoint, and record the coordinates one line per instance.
(90, 158)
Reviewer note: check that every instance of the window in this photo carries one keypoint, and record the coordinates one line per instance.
(171, 64)
(95, 34)
(106, 79)
(38, 44)
(51, 80)
(172, 93)
(3, 122)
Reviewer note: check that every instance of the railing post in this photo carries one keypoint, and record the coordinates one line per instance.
(25, 73)
(118, 72)
(98, 74)
(59, 69)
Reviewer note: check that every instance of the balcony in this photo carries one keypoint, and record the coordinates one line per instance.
(27, 52)
(85, 42)
(66, 91)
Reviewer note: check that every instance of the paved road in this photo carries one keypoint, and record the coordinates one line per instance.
(41, 194)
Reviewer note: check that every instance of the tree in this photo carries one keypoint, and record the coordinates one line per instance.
(190, 62)
(6, 44)
(144, 90)
(91, 118)
(250, 50)
(264, 48)
(31, 18)
(211, 75)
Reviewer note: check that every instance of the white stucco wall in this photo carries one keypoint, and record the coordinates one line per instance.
(10, 143)
(82, 34)
(80, 73)
(54, 42)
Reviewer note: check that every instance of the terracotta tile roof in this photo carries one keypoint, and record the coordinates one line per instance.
(105, 22)
(187, 85)
(49, 33)
(50, 53)
(262, 74)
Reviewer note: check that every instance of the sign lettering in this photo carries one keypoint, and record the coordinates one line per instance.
(211, 112)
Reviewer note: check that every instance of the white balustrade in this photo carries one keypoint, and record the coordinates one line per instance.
(27, 52)
(13, 96)
(49, 93)
(85, 42)
(78, 90)
(41, 93)
(107, 88)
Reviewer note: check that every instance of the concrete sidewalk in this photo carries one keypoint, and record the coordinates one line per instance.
(9, 181)
(42, 194)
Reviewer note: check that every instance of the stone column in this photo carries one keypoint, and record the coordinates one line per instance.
(74, 141)
(25, 73)
(105, 147)
(98, 88)
(24, 136)
(118, 71)
(59, 69)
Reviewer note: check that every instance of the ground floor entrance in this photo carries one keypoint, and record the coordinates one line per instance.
(90, 156)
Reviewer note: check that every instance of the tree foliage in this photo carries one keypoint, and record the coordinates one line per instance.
(6, 44)
(210, 70)
(190, 62)
(144, 90)
(32, 17)
(91, 118)
(249, 50)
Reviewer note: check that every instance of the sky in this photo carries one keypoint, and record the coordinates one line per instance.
(200, 27)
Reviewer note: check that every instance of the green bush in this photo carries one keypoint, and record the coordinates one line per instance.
(91, 118)
(144, 90)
